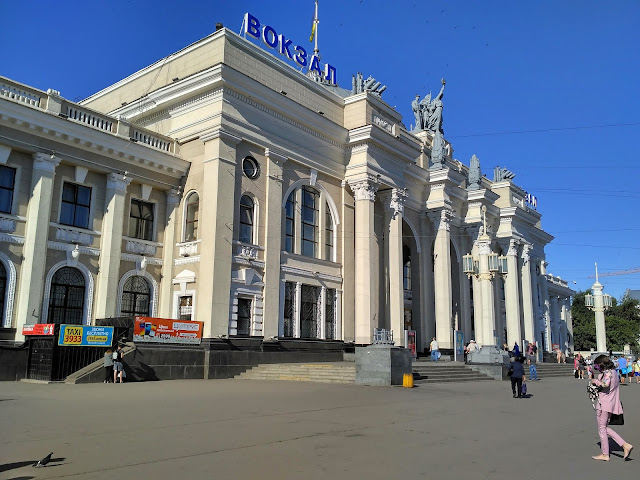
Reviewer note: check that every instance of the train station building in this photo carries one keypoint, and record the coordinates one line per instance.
(222, 184)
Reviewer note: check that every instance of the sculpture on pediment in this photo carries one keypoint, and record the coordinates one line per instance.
(437, 151)
(359, 85)
(475, 175)
(502, 174)
(428, 112)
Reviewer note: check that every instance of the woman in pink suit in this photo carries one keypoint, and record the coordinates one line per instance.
(608, 403)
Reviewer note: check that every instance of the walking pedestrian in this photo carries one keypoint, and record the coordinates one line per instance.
(608, 403)
(435, 354)
(108, 365)
(533, 369)
(118, 367)
(517, 376)
(622, 368)
(516, 350)
(636, 371)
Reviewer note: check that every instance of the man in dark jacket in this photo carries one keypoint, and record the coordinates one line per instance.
(517, 377)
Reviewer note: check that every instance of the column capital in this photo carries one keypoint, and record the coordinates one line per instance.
(394, 200)
(365, 188)
(275, 157)
(510, 246)
(441, 218)
(45, 162)
(118, 182)
(173, 196)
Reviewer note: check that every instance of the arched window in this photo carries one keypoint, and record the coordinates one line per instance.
(309, 210)
(289, 222)
(3, 292)
(66, 299)
(191, 218)
(406, 270)
(328, 240)
(136, 297)
(246, 219)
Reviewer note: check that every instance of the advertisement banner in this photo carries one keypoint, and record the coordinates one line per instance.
(167, 330)
(38, 329)
(410, 341)
(459, 347)
(85, 336)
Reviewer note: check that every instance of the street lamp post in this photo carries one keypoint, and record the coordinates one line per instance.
(599, 302)
(485, 267)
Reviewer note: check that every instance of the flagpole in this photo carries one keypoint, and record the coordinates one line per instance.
(315, 50)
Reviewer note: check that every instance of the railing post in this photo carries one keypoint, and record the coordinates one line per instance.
(123, 128)
(54, 102)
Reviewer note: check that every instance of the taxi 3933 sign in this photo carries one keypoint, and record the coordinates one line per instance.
(85, 335)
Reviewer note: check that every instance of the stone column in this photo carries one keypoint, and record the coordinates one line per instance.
(554, 320)
(528, 312)
(546, 304)
(111, 245)
(339, 332)
(365, 293)
(323, 312)
(598, 307)
(487, 324)
(427, 312)
(32, 271)
(512, 294)
(218, 200)
(273, 212)
(570, 344)
(394, 205)
(562, 306)
(168, 253)
(442, 276)
(347, 258)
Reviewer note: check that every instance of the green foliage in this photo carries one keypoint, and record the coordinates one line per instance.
(622, 323)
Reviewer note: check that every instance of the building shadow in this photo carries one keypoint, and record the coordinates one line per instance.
(5, 467)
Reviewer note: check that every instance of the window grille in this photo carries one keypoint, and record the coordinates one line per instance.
(244, 317)
(310, 312)
(136, 297)
(330, 315)
(66, 299)
(289, 309)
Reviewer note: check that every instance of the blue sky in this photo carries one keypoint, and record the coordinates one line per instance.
(549, 89)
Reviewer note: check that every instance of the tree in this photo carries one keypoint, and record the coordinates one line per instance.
(622, 323)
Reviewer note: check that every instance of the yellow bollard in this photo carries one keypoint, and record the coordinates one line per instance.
(407, 380)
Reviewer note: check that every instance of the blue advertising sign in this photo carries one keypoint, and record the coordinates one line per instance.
(296, 53)
(85, 336)
(459, 351)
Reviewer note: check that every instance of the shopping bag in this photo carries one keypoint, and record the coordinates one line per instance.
(524, 389)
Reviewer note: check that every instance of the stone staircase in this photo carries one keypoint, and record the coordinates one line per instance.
(546, 370)
(445, 372)
(338, 372)
(345, 372)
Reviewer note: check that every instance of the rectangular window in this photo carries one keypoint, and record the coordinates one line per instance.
(289, 222)
(309, 312)
(328, 233)
(141, 220)
(76, 203)
(330, 315)
(7, 184)
(185, 310)
(289, 308)
(244, 317)
(309, 221)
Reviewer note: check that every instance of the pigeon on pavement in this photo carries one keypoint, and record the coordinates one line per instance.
(43, 462)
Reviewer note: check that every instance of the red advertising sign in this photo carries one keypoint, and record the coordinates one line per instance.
(166, 330)
(38, 329)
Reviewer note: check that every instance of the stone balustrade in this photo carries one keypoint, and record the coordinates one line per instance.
(51, 102)
(88, 117)
(20, 93)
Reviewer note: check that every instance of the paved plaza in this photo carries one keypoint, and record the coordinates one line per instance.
(227, 429)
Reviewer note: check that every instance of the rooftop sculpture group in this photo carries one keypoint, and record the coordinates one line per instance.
(428, 112)
(359, 85)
